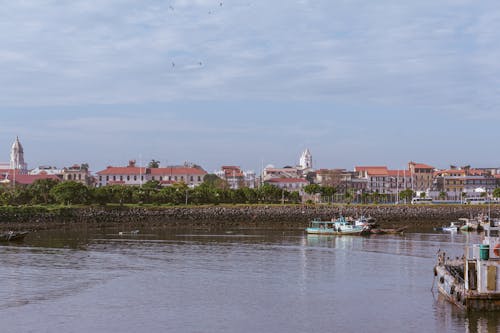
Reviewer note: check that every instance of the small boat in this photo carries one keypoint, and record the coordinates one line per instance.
(392, 231)
(453, 227)
(335, 227)
(471, 224)
(365, 221)
(13, 236)
(128, 233)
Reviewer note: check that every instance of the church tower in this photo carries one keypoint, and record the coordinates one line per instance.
(306, 161)
(17, 157)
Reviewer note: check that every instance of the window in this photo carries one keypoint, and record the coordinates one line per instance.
(114, 177)
(135, 177)
(121, 178)
(107, 178)
(191, 178)
(128, 177)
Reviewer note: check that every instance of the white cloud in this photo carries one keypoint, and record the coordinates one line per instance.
(420, 54)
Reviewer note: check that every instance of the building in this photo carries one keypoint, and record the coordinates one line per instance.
(421, 176)
(46, 170)
(457, 182)
(191, 176)
(77, 173)
(15, 177)
(271, 172)
(17, 157)
(236, 178)
(306, 161)
(134, 175)
(382, 180)
(289, 184)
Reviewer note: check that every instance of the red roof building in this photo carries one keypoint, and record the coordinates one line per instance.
(133, 175)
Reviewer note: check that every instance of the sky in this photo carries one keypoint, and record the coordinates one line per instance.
(251, 82)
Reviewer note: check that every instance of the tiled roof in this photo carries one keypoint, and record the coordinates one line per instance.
(30, 179)
(421, 166)
(122, 171)
(287, 180)
(373, 170)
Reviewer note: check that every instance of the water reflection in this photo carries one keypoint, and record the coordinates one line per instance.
(229, 280)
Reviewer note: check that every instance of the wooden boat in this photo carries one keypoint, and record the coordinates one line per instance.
(393, 231)
(13, 236)
(472, 282)
(335, 227)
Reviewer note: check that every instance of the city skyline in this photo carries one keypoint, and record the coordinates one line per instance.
(203, 81)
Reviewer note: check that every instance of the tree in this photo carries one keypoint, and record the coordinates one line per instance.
(406, 195)
(70, 193)
(154, 164)
(40, 190)
(214, 181)
(312, 189)
(496, 192)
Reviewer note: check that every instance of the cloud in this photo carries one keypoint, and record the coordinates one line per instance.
(421, 55)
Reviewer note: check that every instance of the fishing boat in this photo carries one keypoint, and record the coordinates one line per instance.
(339, 226)
(471, 282)
(13, 235)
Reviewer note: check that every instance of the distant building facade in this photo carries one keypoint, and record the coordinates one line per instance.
(134, 175)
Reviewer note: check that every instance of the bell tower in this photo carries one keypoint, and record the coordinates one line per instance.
(17, 157)
(306, 160)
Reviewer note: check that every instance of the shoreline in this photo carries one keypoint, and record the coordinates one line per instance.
(243, 216)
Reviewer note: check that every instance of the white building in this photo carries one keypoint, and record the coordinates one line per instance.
(17, 157)
(306, 161)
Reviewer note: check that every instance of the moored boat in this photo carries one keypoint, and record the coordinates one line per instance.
(471, 282)
(335, 227)
(13, 235)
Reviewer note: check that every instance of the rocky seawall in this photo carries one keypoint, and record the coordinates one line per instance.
(279, 217)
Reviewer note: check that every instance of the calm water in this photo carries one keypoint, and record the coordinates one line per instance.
(227, 281)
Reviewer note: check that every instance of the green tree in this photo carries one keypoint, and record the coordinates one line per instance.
(496, 192)
(214, 181)
(312, 189)
(40, 190)
(154, 164)
(70, 193)
(406, 195)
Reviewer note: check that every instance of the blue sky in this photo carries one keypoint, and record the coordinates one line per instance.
(251, 82)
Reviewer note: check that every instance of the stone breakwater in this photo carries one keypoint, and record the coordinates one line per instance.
(279, 217)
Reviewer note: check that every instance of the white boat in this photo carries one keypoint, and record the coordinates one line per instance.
(453, 227)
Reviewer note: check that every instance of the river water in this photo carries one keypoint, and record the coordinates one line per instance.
(161, 280)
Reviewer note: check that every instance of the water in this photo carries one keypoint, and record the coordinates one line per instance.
(93, 280)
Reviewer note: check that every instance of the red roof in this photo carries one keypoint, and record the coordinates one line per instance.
(30, 179)
(373, 170)
(421, 166)
(122, 171)
(287, 180)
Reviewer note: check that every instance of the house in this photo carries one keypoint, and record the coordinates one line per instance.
(191, 176)
(134, 175)
(235, 177)
(289, 184)
(77, 173)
